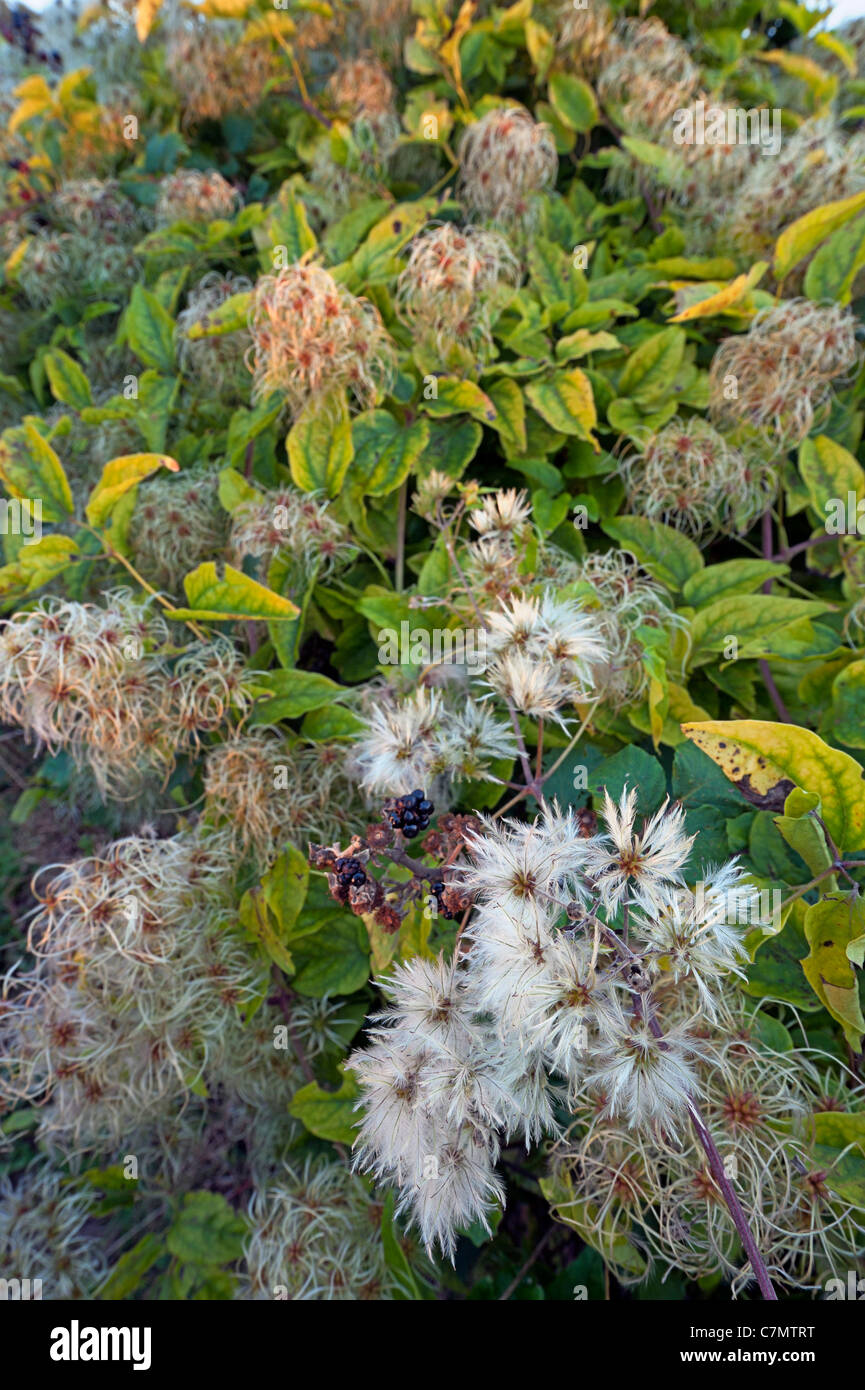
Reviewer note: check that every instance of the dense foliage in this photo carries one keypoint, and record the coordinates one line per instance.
(433, 650)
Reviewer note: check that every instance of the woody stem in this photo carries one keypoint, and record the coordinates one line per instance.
(733, 1204)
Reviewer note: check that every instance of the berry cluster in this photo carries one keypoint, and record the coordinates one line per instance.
(350, 873)
(410, 814)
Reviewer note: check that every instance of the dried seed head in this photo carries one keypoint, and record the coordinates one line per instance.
(191, 195)
(177, 523)
(647, 76)
(455, 283)
(781, 371)
(214, 72)
(297, 526)
(505, 158)
(311, 336)
(690, 477)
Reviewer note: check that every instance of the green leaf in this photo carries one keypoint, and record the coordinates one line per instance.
(31, 470)
(752, 619)
(66, 379)
(510, 423)
(634, 768)
(406, 1286)
(287, 225)
(766, 761)
(294, 692)
(698, 781)
(329, 723)
(573, 101)
(36, 564)
(245, 427)
(130, 1269)
(285, 885)
(555, 277)
(566, 402)
(650, 371)
(848, 705)
(454, 397)
(376, 260)
(156, 398)
(729, 578)
(118, 477)
(583, 342)
(776, 972)
(385, 451)
(231, 316)
(334, 959)
(666, 553)
(837, 263)
(260, 926)
(235, 597)
(320, 445)
(802, 832)
(235, 491)
(150, 330)
(830, 472)
(837, 1129)
(207, 1231)
(830, 926)
(329, 1114)
(451, 448)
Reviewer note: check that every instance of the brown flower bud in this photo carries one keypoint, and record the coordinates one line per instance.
(379, 836)
(388, 919)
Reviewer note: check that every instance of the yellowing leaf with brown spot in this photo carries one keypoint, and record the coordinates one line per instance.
(766, 761)
(724, 299)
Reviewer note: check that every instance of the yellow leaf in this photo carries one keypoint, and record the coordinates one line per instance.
(724, 299)
(233, 596)
(70, 83)
(33, 88)
(805, 234)
(766, 761)
(145, 13)
(33, 106)
(269, 26)
(225, 9)
(118, 476)
(821, 83)
(16, 258)
(450, 49)
(841, 50)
